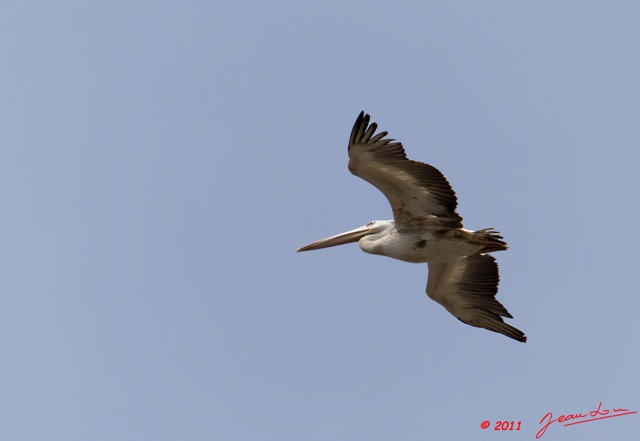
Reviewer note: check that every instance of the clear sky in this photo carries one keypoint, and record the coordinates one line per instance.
(162, 161)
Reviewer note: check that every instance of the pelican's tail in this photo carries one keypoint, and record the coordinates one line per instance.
(490, 239)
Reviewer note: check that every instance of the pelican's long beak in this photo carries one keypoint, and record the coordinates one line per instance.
(340, 239)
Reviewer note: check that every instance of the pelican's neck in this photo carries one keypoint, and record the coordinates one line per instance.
(374, 243)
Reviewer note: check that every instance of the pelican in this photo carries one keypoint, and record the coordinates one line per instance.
(426, 228)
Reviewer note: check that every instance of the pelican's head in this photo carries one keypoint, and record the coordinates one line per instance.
(372, 230)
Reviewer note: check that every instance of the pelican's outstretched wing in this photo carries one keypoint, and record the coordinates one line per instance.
(418, 193)
(467, 288)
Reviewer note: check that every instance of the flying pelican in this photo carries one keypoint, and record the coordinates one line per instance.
(426, 228)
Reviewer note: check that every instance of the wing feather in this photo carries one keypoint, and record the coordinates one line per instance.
(418, 193)
(467, 288)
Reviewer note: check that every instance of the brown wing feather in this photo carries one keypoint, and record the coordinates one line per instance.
(467, 288)
(418, 193)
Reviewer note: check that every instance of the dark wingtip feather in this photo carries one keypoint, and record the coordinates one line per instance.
(358, 128)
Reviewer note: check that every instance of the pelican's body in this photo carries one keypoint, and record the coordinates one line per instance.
(424, 246)
(426, 229)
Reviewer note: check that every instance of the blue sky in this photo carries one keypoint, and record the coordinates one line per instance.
(162, 161)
